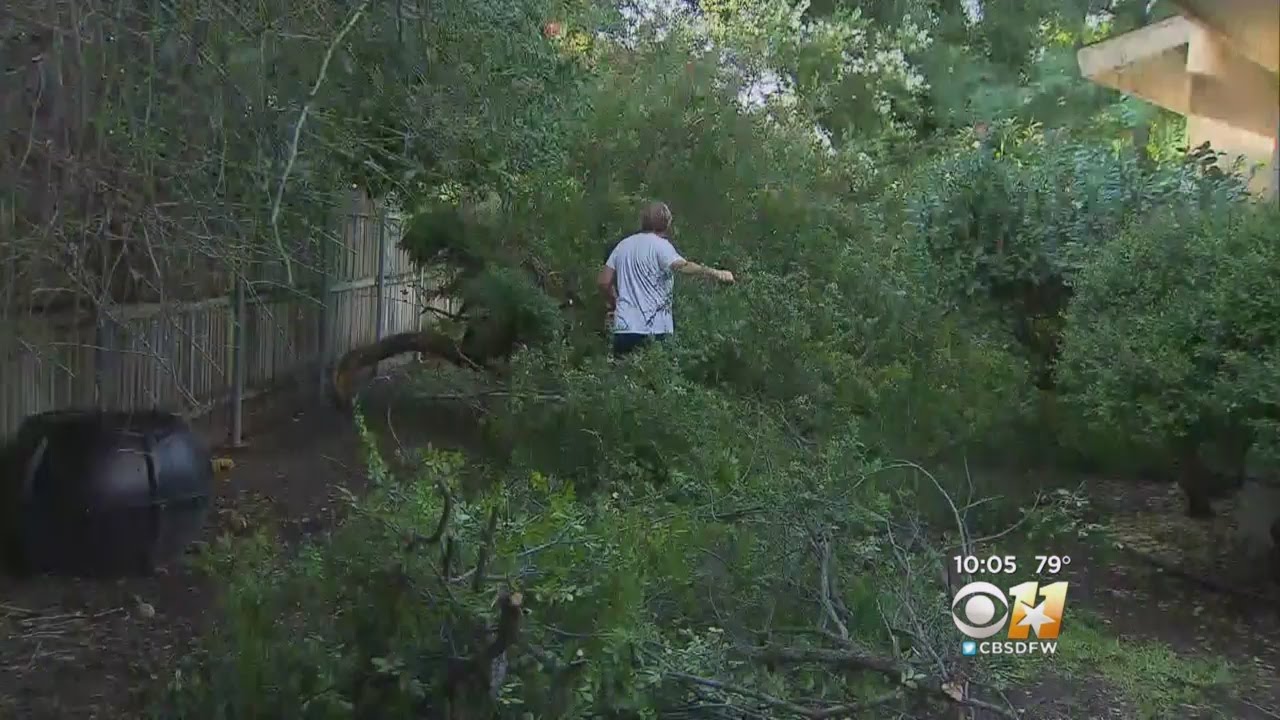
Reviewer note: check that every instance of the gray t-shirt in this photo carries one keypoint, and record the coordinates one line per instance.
(642, 266)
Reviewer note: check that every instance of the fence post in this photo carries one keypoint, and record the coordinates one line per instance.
(101, 355)
(322, 336)
(239, 335)
(379, 303)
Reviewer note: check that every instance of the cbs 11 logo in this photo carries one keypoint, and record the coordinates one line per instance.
(974, 610)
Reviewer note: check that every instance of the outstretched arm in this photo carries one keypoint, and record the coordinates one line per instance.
(677, 263)
(689, 267)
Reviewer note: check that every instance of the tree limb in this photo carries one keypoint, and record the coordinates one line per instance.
(441, 525)
(787, 705)
(297, 134)
(486, 543)
(427, 342)
(484, 671)
(823, 548)
(855, 660)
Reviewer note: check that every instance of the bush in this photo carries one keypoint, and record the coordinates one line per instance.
(1008, 224)
(1173, 338)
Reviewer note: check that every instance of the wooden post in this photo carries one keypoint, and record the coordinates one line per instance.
(322, 331)
(238, 371)
(379, 307)
(102, 337)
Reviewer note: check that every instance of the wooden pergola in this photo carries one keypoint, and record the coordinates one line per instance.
(1218, 64)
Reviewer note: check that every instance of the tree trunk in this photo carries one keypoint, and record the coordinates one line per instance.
(1195, 480)
(427, 342)
(1275, 550)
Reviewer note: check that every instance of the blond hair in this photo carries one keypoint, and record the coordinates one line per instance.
(655, 218)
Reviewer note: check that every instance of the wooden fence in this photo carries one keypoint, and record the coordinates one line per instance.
(184, 357)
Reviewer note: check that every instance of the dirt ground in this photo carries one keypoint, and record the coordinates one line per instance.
(1164, 581)
(88, 649)
(80, 649)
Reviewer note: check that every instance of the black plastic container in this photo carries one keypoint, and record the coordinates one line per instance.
(94, 493)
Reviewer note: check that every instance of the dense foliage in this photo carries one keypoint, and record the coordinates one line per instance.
(1010, 224)
(935, 228)
(1173, 340)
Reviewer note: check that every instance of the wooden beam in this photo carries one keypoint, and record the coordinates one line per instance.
(1275, 166)
(1253, 107)
(1142, 45)
(1252, 27)
(1189, 69)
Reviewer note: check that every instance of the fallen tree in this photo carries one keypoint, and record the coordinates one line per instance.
(444, 605)
(509, 298)
(433, 343)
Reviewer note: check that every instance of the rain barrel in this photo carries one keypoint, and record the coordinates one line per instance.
(93, 493)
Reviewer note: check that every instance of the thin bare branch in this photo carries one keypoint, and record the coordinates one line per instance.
(297, 134)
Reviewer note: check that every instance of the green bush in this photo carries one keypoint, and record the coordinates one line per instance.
(1008, 224)
(1173, 336)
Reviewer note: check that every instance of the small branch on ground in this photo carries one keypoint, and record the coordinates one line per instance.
(855, 660)
(776, 703)
(544, 397)
(1262, 710)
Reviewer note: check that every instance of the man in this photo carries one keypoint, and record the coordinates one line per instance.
(638, 280)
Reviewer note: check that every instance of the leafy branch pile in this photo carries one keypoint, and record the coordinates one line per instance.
(535, 598)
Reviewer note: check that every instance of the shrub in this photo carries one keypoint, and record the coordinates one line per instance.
(1009, 224)
(1173, 337)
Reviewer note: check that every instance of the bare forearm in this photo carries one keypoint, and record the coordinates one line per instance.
(608, 288)
(693, 268)
(688, 267)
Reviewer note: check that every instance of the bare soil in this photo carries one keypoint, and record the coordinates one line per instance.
(1168, 579)
(74, 648)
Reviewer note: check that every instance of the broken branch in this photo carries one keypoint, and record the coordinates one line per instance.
(780, 704)
(855, 660)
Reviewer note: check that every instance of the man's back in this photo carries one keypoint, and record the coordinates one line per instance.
(645, 282)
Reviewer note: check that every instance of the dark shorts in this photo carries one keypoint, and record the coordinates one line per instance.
(624, 343)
